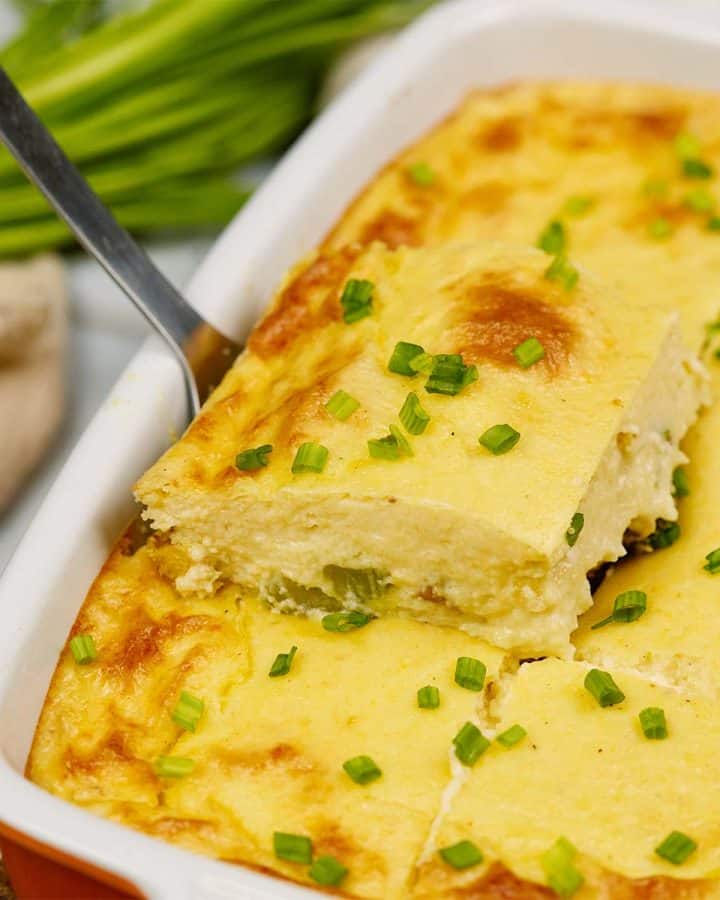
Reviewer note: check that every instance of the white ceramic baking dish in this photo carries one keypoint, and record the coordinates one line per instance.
(424, 74)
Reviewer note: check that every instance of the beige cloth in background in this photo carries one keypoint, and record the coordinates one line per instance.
(33, 328)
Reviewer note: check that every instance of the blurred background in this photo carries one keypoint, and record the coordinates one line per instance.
(174, 110)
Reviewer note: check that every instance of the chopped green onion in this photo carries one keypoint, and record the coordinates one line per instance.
(292, 847)
(428, 697)
(681, 485)
(83, 649)
(461, 855)
(342, 622)
(676, 848)
(421, 174)
(696, 168)
(713, 223)
(403, 354)
(713, 562)
(665, 535)
(328, 871)
(512, 736)
(362, 769)
(470, 673)
(364, 585)
(413, 416)
(552, 239)
(558, 865)
(341, 405)
(529, 352)
(173, 766)
(563, 271)
(700, 200)
(449, 374)
(402, 442)
(356, 300)
(423, 362)
(392, 446)
(629, 606)
(282, 664)
(499, 439)
(188, 711)
(660, 228)
(310, 457)
(470, 744)
(603, 688)
(653, 724)
(576, 206)
(577, 523)
(686, 146)
(250, 460)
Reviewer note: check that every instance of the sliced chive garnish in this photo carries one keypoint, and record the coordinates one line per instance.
(421, 174)
(449, 374)
(403, 354)
(713, 223)
(629, 606)
(282, 663)
(676, 848)
(470, 744)
(310, 457)
(341, 405)
(577, 206)
(562, 271)
(712, 564)
(681, 485)
(356, 300)
(173, 766)
(499, 439)
(529, 352)
(428, 697)
(423, 362)
(686, 146)
(413, 417)
(552, 238)
(342, 622)
(188, 711)
(83, 649)
(254, 458)
(470, 673)
(653, 724)
(461, 855)
(603, 688)
(577, 523)
(328, 871)
(393, 446)
(700, 200)
(697, 168)
(402, 442)
(558, 863)
(292, 847)
(511, 736)
(362, 769)
(660, 228)
(664, 535)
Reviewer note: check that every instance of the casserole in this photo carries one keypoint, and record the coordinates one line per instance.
(422, 78)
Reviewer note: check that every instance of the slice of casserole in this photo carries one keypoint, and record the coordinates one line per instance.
(503, 424)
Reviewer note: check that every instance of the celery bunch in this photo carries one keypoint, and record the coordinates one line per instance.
(158, 107)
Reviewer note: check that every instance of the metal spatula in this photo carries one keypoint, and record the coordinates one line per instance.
(203, 352)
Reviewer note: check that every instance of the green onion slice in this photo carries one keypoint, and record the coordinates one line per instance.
(686, 146)
(470, 673)
(392, 446)
(603, 688)
(562, 271)
(421, 173)
(356, 300)
(712, 564)
(697, 168)
(188, 711)
(402, 356)
(173, 766)
(328, 871)
(681, 485)
(529, 352)
(449, 374)
(282, 663)
(428, 697)
(660, 228)
(577, 523)
(577, 206)
(255, 458)
(362, 769)
(499, 439)
(83, 649)
(423, 362)
(700, 200)
(342, 622)
(341, 405)
(665, 535)
(713, 223)
(292, 847)
(461, 855)
(653, 724)
(676, 848)
(629, 606)
(552, 238)
(413, 417)
(310, 457)
(512, 736)
(559, 866)
(470, 744)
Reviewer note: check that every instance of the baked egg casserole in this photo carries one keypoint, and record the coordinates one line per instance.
(348, 654)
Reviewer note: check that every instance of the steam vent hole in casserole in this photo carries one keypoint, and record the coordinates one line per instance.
(459, 433)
